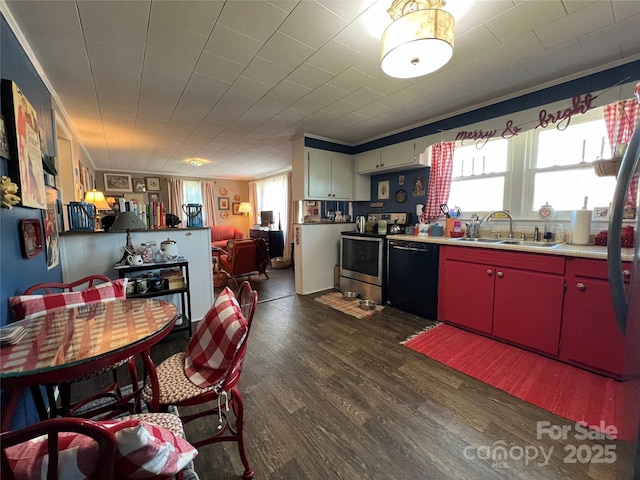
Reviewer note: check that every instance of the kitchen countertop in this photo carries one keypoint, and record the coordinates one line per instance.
(563, 249)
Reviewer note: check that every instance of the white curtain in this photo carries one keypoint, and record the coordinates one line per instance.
(253, 195)
(208, 203)
(272, 195)
(176, 198)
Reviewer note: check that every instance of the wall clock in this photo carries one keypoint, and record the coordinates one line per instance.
(401, 196)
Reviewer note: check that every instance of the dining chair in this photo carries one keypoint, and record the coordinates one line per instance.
(150, 445)
(175, 387)
(111, 391)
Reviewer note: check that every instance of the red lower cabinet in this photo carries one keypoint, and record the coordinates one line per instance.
(528, 308)
(466, 295)
(590, 334)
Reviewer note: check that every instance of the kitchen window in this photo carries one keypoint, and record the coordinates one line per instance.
(535, 167)
(479, 176)
(193, 193)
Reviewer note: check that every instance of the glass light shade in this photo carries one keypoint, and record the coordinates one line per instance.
(417, 43)
(96, 197)
(127, 221)
(245, 207)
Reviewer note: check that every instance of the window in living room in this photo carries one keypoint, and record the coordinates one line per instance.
(272, 195)
(192, 191)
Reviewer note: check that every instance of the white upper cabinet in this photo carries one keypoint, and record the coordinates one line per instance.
(328, 175)
(395, 157)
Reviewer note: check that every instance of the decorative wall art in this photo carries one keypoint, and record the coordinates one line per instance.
(139, 186)
(223, 203)
(236, 198)
(24, 144)
(310, 203)
(236, 206)
(153, 197)
(419, 186)
(153, 184)
(600, 213)
(116, 182)
(383, 190)
(31, 237)
(4, 144)
(137, 198)
(49, 219)
(224, 214)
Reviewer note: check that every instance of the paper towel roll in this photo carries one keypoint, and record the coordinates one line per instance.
(581, 227)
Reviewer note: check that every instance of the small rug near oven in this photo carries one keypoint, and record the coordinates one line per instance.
(350, 307)
(557, 387)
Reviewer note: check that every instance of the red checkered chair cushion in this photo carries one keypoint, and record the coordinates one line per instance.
(215, 342)
(31, 306)
(144, 450)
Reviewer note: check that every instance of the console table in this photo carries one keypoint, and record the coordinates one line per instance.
(274, 240)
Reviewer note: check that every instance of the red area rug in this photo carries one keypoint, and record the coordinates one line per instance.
(570, 392)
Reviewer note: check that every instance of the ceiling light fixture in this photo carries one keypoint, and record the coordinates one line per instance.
(419, 40)
(196, 162)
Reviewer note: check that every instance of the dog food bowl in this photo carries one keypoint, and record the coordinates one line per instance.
(349, 295)
(367, 304)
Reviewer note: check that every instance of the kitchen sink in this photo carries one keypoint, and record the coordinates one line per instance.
(527, 243)
(478, 240)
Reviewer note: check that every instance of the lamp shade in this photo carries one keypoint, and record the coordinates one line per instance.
(127, 221)
(418, 42)
(245, 207)
(96, 197)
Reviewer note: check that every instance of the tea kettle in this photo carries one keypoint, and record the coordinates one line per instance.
(361, 223)
(395, 228)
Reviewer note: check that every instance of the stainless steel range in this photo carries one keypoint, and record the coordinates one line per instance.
(363, 261)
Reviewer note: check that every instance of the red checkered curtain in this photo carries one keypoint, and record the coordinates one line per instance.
(439, 178)
(621, 119)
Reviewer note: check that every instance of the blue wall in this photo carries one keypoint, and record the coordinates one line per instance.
(391, 205)
(18, 273)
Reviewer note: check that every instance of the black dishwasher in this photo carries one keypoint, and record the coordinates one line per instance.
(412, 277)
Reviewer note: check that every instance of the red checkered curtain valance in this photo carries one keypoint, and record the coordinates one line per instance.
(439, 178)
(621, 119)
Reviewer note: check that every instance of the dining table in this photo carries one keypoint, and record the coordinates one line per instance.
(73, 342)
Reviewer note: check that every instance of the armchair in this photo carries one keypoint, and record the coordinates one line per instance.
(245, 257)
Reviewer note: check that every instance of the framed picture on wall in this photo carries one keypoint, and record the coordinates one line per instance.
(117, 182)
(137, 198)
(4, 145)
(154, 197)
(223, 203)
(235, 207)
(139, 186)
(383, 190)
(153, 184)
(23, 137)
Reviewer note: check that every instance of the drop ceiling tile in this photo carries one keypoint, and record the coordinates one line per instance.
(122, 25)
(521, 47)
(472, 43)
(209, 89)
(358, 37)
(480, 12)
(625, 9)
(110, 57)
(303, 22)
(396, 99)
(347, 10)
(218, 67)
(309, 76)
(194, 16)
(610, 35)
(265, 72)
(235, 46)
(334, 57)
(286, 51)
(259, 24)
(327, 94)
(351, 79)
(557, 55)
(588, 19)
(362, 97)
(249, 88)
(341, 107)
(176, 39)
(524, 17)
(167, 63)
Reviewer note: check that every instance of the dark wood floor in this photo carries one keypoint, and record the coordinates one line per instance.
(330, 396)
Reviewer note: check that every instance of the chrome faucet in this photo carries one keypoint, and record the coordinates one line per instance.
(488, 217)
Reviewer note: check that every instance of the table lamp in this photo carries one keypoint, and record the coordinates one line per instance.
(96, 198)
(245, 207)
(127, 221)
